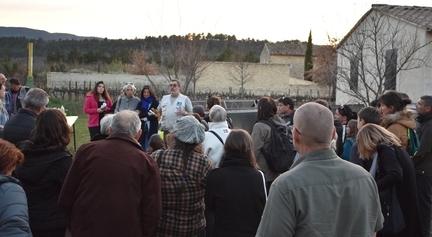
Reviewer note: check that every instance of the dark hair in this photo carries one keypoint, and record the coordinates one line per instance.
(14, 81)
(213, 100)
(393, 98)
(10, 156)
(266, 108)
(323, 102)
(156, 142)
(152, 94)
(370, 115)
(346, 111)
(51, 128)
(199, 109)
(286, 100)
(375, 103)
(197, 116)
(239, 140)
(427, 99)
(105, 94)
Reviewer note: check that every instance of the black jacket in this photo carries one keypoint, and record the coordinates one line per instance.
(423, 158)
(235, 193)
(339, 131)
(19, 127)
(42, 175)
(396, 168)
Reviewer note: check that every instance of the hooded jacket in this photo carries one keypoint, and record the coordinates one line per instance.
(261, 137)
(42, 175)
(398, 124)
(14, 219)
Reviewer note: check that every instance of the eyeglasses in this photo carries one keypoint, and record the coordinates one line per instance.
(173, 85)
(129, 83)
(146, 87)
(342, 107)
(299, 133)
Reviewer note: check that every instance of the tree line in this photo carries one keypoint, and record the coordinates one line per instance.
(89, 51)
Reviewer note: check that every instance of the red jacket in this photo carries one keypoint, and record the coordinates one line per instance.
(90, 108)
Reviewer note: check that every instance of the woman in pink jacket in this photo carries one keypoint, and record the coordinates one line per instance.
(96, 105)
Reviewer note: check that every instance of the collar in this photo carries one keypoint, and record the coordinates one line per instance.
(314, 156)
(124, 136)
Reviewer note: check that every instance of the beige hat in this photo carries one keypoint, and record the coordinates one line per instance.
(189, 130)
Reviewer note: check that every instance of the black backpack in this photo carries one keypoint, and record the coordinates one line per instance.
(280, 154)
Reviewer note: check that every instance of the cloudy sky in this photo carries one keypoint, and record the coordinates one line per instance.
(273, 20)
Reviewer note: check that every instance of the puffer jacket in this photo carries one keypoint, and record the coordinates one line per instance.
(261, 137)
(398, 124)
(42, 175)
(14, 218)
(19, 127)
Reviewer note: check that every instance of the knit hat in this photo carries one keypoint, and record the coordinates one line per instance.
(189, 130)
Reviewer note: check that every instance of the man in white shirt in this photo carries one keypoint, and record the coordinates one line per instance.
(173, 106)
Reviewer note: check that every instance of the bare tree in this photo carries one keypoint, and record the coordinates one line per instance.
(140, 66)
(183, 57)
(325, 67)
(241, 73)
(376, 52)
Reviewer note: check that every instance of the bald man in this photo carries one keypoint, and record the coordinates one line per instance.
(321, 195)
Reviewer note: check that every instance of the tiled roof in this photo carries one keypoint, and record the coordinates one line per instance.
(289, 48)
(421, 16)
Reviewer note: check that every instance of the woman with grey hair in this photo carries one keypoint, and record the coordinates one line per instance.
(129, 101)
(183, 170)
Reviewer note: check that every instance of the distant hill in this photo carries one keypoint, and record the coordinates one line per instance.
(38, 34)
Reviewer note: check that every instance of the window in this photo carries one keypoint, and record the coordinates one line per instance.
(390, 69)
(354, 65)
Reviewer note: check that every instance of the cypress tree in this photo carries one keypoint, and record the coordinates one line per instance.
(308, 65)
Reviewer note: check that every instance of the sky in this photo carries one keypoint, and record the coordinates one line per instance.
(272, 20)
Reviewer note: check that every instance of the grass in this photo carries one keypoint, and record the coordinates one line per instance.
(82, 134)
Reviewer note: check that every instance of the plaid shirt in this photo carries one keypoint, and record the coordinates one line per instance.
(182, 213)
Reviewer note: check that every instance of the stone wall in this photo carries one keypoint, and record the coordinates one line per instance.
(268, 79)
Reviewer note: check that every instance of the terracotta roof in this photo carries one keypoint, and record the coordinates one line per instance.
(288, 48)
(420, 16)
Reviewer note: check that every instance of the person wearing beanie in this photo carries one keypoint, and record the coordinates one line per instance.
(183, 170)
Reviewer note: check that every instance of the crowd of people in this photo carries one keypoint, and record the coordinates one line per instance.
(168, 168)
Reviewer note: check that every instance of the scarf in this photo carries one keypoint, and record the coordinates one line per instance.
(146, 102)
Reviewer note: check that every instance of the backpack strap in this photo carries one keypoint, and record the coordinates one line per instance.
(214, 133)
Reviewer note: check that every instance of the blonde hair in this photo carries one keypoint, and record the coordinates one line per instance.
(372, 135)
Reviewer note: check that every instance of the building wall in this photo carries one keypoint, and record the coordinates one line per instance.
(414, 82)
(267, 79)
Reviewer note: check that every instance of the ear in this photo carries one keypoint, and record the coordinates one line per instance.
(392, 108)
(428, 109)
(138, 135)
(110, 130)
(334, 133)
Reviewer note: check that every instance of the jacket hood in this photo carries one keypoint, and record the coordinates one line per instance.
(277, 121)
(404, 118)
(8, 179)
(38, 159)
